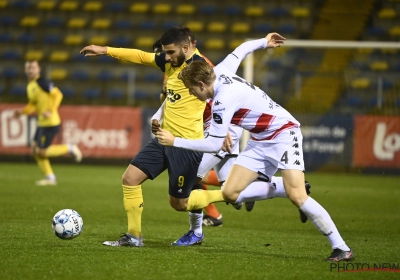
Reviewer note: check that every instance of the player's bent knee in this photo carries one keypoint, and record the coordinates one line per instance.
(179, 204)
(229, 196)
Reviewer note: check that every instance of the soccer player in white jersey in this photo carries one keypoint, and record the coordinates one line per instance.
(276, 140)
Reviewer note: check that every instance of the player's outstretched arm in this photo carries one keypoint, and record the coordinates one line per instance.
(93, 50)
(274, 40)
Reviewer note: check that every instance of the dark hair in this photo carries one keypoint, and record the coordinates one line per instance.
(175, 35)
(190, 34)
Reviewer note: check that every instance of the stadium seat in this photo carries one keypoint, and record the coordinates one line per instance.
(287, 28)
(10, 72)
(106, 59)
(139, 8)
(58, 74)
(20, 4)
(394, 31)
(77, 57)
(100, 40)
(168, 24)
(115, 93)
(235, 43)
(68, 91)
(73, 39)
(379, 66)
(91, 93)
(353, 101)
(162, 8)
(232, 10)
(101, 23)
(373, 101)
(69, 5)
(26, 38)
(115, 6)
(18, 90)
(3, 4)
(145, 42)
(2, 87)
(76, 23)
(140, 94)
(92, 6)
(11, 54)
(52, 39)
(185, 9)
(153, 77)
(123, 24)
(207, 10)
(8, 20)
(104, 75)
(216, 27)
(387, 13)
(375, 31)
(59, 56)
(34, 55)
(300, 12)
(29, 21)
(263, 28)
(5, 37)
(147, 24)
(278, 12)
(121, 41)
(360, 83)
(80, 75)
(214, 44)
(54, 22)
(240, 27)
(195, 26)
(46, 5)
(254, 11)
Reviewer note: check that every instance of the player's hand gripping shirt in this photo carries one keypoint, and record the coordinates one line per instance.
(43, 97)
(183, 112)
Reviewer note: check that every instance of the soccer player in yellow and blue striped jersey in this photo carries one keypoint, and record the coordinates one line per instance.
(183, 116)
(44, 99)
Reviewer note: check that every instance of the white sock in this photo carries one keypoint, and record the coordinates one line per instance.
(196, 223)
(51, 177)
(70, 146)
(257, 190)
(280, 188)
(323, 222)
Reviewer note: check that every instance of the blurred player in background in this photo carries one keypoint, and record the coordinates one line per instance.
(44, 99)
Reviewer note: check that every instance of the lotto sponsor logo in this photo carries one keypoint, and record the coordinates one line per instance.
(377, 141)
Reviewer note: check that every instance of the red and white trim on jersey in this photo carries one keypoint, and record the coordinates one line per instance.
(277, 132)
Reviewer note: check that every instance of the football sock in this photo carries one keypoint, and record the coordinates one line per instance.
(323, 222)
(57, 150)
(133, 204)
(212, 178)
(211, 209)
(280, 188)
(257, 190)
(195, 221)
(44, 165)
(199, 199)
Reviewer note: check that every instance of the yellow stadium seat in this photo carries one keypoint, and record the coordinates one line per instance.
(185, 9)
(195, 26)
(46, 5)
(69, 5)
(73, 39)
(100, 40)
(379, 66)
(389, 51)
(235, 43)
(394, 31)
(3, 4)
(76, 23)
(58, 74)
(254, 11)
(34, 55)
(101, 23)
(92, 6)
(361, 83)
(240, 27)
(215, 44)
(387, 13)
(59, 56)
(139, 8)
(162, 8)
(300, 12)
(216, 27)
(365, 50)
(29, 21)
(145, 42)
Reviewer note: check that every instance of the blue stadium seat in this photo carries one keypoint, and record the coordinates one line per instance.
(396, 102)
(287, 28)
(77, 57)
(18, 90)
(1, 89)
(106, 59)
(11, 54)
(278, 12)
(5, 37)
(354, 101)
(233, 10)
(153, 77)
(10, 72)
(121, 41)
(375, 31)
(115, 6)
(115, 93)
(141, 94)
(263, 28)
(373, 101)
(208, 10)
(123, 24)
(21, 4)
(91, 93)
(7, 20)
(80, 75)
(104, 75)
(68, 91)
(26, 38)
(52, 39)
(147, 24)
(168, 24)
(54, 22)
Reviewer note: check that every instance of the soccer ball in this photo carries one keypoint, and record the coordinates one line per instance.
(67, 224)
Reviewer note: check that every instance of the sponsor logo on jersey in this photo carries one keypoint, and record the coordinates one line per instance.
(217, 118)
(216, 103)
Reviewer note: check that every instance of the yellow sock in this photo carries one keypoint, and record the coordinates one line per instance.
(44, 165)
(133, 203)
(57, 150)
(199, 199)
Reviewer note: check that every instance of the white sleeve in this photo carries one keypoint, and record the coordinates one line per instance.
(160, 113)
(233, 60)
(208, 145)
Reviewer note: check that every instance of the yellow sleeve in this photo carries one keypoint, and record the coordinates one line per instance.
(132, 55)
(57, 97)
(28, 109)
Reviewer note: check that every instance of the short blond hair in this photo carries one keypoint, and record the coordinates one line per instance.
(197, 71)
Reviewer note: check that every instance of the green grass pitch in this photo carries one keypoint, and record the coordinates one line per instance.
(267, 243)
